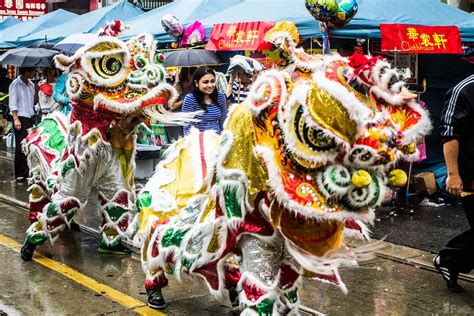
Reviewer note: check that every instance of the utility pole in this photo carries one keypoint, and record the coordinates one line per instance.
(464, 5)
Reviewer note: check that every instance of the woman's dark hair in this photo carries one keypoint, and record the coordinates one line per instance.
(185, 81)
(201, 72)
(185, 72)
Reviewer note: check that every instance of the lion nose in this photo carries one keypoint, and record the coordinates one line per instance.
(154, 75)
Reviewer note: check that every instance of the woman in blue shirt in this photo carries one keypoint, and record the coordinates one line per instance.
(205, 97)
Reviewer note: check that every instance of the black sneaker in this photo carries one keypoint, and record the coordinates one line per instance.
(234, 297)
(27, 251)
(117, 250)
(156, 299)
(450, 276)
(74, 226)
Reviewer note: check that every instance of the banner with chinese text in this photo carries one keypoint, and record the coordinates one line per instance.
(22, 9)
(239, 36)
(421, 39)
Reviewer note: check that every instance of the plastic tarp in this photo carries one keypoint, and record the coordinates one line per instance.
(186, 11)
(9, 36)
(90, 22)
(8, 22)
(364, 25)
(420, 12)
(261, 10)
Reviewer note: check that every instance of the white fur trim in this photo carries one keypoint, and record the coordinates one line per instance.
(282, 197)
(273, 80)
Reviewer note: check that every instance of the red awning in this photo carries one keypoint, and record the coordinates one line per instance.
(407, 38)
(239, 36)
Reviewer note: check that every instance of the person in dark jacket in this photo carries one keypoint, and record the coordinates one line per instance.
(457, 118)
(4, 81)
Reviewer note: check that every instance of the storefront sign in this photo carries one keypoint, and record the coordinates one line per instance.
(22, 9)
(239, 36)
(421, 39)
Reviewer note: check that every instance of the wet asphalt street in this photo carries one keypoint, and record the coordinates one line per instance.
(71, 278)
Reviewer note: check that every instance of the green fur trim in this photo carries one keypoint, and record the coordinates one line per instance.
(232, 204)
(172, 238)
(144, 200)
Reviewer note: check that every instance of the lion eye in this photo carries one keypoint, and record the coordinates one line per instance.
(140, 62)
(107, 66)
(159, 58)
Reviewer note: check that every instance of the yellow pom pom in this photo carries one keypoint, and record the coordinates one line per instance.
(397, 178)
(361, 179)
(408, 149)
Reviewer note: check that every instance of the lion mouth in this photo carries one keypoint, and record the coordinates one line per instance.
(135, 100)
(314, 236)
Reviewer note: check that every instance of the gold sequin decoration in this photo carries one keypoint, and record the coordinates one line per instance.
(211, 206)
(146, 243)
(408, 149)
(329, 113)
(241, 155)
(214, 243)
(105, 47)
(148, 215)
(38, 226)
(93, 138)
(36, 193)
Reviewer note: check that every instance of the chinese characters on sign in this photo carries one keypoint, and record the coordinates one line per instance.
(421, 39)
(22, 9)
(239, 36)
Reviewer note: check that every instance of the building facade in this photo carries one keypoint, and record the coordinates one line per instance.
(23, 9)
(83, 6)
(145, 5)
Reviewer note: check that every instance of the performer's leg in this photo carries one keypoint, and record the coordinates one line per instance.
(458, 255)
(155, 278)
(260, 268)
(20, 163)
(57, 214)
(55, 217)
(289, 282)
(39, 197)
(232, 278)
(116, 217)
(117, 203)
(154, 282)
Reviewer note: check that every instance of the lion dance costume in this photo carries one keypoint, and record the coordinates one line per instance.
(112, 86)
(301, 164)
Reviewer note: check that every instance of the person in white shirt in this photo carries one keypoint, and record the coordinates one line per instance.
(242, 71)
(22, 98)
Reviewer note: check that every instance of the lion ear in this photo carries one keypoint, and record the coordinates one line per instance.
(63, 62)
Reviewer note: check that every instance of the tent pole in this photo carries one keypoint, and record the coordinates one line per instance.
(395, 57)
